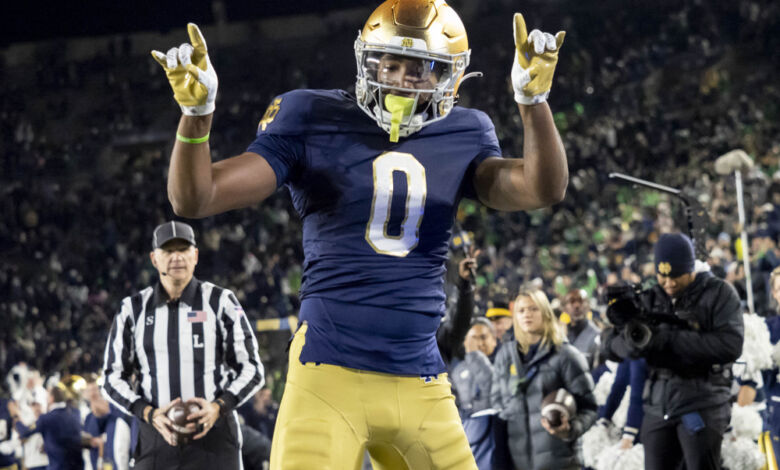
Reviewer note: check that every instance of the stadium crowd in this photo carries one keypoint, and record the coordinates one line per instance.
(84, 155)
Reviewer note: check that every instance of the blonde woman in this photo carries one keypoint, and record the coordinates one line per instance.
(537, 362)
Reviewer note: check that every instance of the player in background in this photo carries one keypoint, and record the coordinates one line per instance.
(60, 428)
(31, 398)
(106, 420)
(376, 179)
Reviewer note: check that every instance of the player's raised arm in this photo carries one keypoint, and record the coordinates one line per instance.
(196, 187)
(540, 178)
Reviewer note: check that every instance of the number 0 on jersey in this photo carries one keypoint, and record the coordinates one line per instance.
(376, 232)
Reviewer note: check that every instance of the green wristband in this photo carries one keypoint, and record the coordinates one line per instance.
(198, 140)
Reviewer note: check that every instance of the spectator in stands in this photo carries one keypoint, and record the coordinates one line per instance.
(537, 362)
(501, 318)
(260, 413)
(471, 381)
(454, 327)
(581, 332)
(482, 337)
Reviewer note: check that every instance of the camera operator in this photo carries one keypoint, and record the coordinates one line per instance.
(695, 333)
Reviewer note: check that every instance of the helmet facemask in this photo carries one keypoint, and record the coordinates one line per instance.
(427, 40)
(430, 79)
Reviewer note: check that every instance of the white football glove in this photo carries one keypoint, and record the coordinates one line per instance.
(191, 75)
(536, 55)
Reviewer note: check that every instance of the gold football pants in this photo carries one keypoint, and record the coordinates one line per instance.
(768, 449)
(330, 415)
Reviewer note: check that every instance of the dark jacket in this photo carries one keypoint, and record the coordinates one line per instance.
(256, 448)
(530, 445)
(453, 330)
(61, 430)
(471, 380)
(586, 340)
(689, 368)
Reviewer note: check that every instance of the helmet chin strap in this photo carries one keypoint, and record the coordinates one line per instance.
(400, 107)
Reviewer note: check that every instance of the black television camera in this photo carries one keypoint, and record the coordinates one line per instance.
(629, 309)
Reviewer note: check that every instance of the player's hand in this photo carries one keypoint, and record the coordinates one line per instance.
(163, 424)
(627, 443)
(206, 416)
(562, 431)
(192, 77)
(535, 57)
(96, 442)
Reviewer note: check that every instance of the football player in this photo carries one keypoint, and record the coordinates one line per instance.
(376, 179)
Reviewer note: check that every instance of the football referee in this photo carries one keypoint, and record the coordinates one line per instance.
(182, 339)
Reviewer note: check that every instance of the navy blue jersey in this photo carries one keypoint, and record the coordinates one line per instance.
(94, 426)
(376, 224)
(61, 430)
(97, 426)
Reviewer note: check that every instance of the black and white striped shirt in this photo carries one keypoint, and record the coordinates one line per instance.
(200, 345)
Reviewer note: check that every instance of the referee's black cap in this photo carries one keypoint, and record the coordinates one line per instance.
(170, 231)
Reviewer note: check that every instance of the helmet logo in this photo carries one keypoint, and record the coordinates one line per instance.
(407, 42)
(664, 268)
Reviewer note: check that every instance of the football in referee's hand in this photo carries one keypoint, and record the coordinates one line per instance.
(183, 430)
(558, 404)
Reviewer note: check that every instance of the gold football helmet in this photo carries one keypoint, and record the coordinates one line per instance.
(426, 40)
(72, 385)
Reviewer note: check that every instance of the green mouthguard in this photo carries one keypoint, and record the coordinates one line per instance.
(400, 107)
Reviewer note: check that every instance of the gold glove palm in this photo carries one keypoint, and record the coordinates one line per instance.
(191, 75)
(536, 55)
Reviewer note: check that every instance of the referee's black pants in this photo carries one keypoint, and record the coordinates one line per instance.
(669, 443)
(219, 449)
